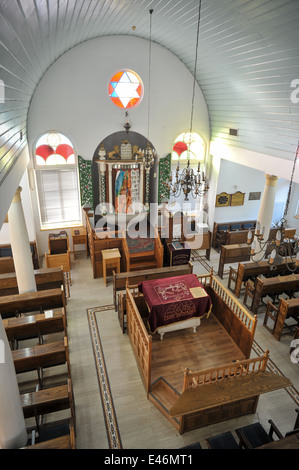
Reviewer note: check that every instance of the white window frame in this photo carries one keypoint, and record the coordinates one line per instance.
(38, 170)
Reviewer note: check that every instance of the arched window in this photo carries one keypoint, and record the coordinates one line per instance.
(56, 172)
(126, 89)
(189, 146)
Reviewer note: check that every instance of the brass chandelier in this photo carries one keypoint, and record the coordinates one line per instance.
(188, 180)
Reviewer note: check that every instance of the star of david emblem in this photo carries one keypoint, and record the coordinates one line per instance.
(125, 89)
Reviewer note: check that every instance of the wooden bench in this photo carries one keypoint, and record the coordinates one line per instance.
(270, 286)
(66, 441)
(221, 227)
(40, 357)
(134, 277)
(49, 400)
(35, 326)
(252, 270)
(286, 308)
(232, 254)
(7, 265)
(46, 278)
(6, 251)
(13, 305)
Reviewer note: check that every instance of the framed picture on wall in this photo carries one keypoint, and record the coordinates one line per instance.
(222, 200)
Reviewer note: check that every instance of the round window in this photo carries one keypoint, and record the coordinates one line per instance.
(126, 89)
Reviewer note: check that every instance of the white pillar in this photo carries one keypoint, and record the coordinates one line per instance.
(267, 205)
(265, 215)
(13, 434)
(20, 246)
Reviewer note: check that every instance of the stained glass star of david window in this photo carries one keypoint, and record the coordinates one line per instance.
(126, 89)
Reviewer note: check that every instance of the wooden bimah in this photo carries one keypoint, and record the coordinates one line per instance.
(221, 391)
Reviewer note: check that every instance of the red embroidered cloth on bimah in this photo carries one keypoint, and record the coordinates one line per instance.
(174, 299)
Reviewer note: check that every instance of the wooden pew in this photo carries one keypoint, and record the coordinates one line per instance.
(7, 265)
(221, 227)
(46, 278)
(67, 441)
(287, 308)
(252, 270)
(34, 326)
(6, 251)
(13, 305)
(134, 277)
(270, 286)
(49, 400)
(41, 356)
(233, 254)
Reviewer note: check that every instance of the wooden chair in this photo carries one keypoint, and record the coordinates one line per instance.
(254, 435)
(249, 292)
(223, 441)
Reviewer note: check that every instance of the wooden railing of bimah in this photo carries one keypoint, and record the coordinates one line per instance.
(227, 371)
(236, 319)
(140, 340)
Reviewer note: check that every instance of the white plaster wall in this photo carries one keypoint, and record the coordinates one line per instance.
(235, 177)
(72, 97)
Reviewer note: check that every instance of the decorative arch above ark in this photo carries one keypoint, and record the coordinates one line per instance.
(121, 174)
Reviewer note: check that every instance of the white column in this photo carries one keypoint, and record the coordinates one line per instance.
(13, 434)
(20, 246)
(267, 205)
(265, 215)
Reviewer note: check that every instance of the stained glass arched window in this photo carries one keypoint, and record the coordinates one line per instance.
(126, 89)
(189, 146)
(54, 149)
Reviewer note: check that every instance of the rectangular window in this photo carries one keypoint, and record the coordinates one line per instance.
(59, 197)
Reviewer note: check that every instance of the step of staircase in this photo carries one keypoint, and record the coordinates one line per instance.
(164, 396)
(137, 264)
(143, 254)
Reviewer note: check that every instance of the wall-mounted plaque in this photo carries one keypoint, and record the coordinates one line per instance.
(254, 196)
(237, 199)
(222, 200)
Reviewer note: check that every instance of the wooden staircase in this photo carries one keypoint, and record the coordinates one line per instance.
(144, 259)
(164, 396)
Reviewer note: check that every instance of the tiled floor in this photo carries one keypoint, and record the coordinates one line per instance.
(140, 424)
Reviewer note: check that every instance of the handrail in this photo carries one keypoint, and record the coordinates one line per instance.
(216, 374)
(141, 341)
(250, 321)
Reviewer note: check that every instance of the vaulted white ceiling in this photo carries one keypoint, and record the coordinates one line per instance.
(248, 59)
